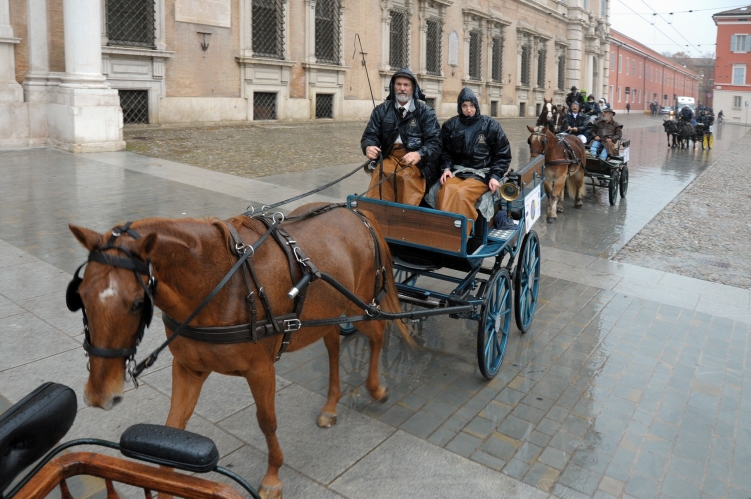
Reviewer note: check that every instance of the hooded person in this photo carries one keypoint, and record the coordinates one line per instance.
(476, 155)
(591, 108)
(404, 130)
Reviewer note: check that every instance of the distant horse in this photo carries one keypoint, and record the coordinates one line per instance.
(685, 132)
(551, 116)
(564, 164)
(188, 258)
(671, 129)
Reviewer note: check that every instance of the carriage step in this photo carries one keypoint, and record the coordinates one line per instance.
(415, 265)
(501, 235)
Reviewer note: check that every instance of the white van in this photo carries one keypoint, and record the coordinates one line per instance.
(681, 101)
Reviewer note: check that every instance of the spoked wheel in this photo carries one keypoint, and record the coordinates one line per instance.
(613, 188)
(495, 322)
(347, 328)
(623, 182)
(527, 281)
(711, 140)
(705, 142)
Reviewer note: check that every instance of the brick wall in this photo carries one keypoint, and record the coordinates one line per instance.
(57, 35)
(18, 23)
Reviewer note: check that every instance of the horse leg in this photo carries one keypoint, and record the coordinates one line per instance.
(262, 382)
(552, 200)
(327, 419)
(575, 187)
(186, 387)
(374, 331)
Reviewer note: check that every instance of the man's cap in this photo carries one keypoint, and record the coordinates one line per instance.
(608, 110)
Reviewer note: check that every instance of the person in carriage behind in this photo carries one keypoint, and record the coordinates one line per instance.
(591, 109)
(687, 115)
(576, 123)
(476, 155)
(574, 96)
(605, 134)
(404, 129)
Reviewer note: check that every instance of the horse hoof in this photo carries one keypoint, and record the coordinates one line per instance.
(551, 220)
(578, 205)
(559, 209)
(381, 394)
(270, 492)
(326, 420)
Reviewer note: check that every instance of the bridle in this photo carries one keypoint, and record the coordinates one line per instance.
(543, 139)
(545, 150)
(129, 262)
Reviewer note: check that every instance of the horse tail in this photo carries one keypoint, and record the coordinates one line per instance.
(390, 302)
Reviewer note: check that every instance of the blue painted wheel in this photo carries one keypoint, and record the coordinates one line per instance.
(527, 281)
(347, 328)
(495, 322)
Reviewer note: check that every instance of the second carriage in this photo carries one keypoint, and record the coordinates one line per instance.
(612, 173)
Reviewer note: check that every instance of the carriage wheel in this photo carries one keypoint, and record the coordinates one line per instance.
(705, 142)
(495, 322)
(613, 188)
(623, 182)
(527, 281)
(711, 140)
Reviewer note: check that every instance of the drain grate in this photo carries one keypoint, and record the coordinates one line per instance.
(135, 105)
(324, 106)
(264, 106)
(714, 263)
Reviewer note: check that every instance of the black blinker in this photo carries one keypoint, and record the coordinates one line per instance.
(72, 298)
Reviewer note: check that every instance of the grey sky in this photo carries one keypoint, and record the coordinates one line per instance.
(697, 27)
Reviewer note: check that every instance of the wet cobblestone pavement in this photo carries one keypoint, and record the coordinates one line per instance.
(704, 232)
(628, 385)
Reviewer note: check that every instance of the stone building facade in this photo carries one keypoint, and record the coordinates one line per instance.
(64, 63)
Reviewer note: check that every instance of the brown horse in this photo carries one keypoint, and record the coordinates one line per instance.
(561, 167)
(551, 116)
(189, 257)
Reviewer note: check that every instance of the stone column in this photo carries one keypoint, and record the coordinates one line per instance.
(36, 82)
(10, 90)
(84, 115)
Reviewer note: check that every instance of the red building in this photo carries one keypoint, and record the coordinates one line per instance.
(732, 90)
(639, 76)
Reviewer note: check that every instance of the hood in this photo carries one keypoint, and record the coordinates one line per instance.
(467, 95)
(405, 73)
(591, 97)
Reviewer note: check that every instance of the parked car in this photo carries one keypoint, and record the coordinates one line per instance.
(667, 110)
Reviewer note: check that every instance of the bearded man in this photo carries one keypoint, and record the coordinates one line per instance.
(404, 130)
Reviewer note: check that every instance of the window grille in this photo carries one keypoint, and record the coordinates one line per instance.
(135, 105)
(324, 106)
(526, 53)
(542, 56)
(399, 38)
(131, 22)
(538, 109)
(433, 47)
(264, 106)
(562, 72)
(328, 29)
(475, 55)
(736, 101)
(268, 28)
(430, 101)
(494, 108)
(497, 68)
(522, 109)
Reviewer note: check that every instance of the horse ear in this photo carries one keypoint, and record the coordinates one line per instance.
(88, 238)
(531, 130)
(146, 244)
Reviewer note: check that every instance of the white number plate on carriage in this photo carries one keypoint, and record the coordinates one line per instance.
(532, 207)
(711, 128)
(626, 154)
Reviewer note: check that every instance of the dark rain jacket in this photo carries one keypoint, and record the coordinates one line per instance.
(687, 114)
(706, 119)
(581, 122)
(475, 142)
(592, 109)
(574, 97)
(603, 129)
(418, 130)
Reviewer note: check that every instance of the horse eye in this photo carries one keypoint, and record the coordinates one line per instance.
(137, 305)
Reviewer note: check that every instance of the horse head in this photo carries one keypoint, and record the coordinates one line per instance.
(117, 304)
(548, 109)
(538, 141)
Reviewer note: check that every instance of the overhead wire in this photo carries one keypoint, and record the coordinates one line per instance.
(655, 27)
(671, 25)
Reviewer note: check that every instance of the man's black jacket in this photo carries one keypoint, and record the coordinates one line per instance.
(475, 142)
(580, 121)
(572, 97)
(418, 130)
(687, 114)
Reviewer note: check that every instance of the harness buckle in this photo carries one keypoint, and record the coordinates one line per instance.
(116, 233)
(131, 370)
(299, 256)
(292, 325)
(240, 248)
